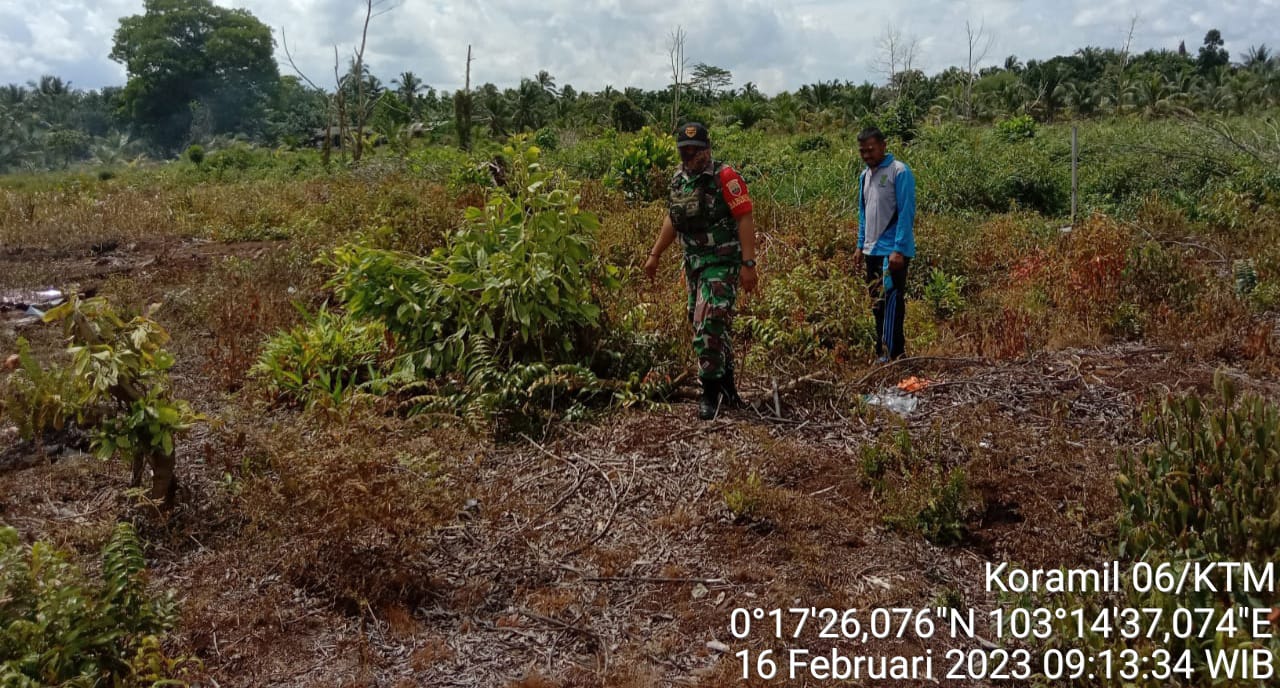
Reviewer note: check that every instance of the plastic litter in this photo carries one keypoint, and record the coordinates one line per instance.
(31, 302)
(894, 400)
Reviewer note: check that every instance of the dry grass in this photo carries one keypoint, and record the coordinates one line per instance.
(344, 550)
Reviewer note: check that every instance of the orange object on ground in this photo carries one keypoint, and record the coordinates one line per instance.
(914, 384)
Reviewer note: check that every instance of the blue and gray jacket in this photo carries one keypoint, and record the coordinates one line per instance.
(887, 209)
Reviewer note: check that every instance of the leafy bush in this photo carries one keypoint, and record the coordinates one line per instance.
(124, 367)
(931, 502)
(1016, 129)
(1207, 486)
(944, 293)
(546, 138)
(1204, 490)
(321, 360)
(947, 505)
(808, 313)
(40, 400)
(814, 142)
(743, 495)
(508, 306)
(195, 153)
(58, 627)
(642, 171)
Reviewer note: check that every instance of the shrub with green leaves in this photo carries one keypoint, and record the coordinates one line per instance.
(1016, 129)
(641, 173)
(323, 359)
(58, 627)
(1204, 490)
(944, 293)
(39, 400)
(509, 306)
(807, 314)
(1207, 486)
(124, 367)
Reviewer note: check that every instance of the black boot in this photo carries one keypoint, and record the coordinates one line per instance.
(710, 401)
(729, 391)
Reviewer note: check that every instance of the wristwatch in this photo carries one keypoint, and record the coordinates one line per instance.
(748, 263)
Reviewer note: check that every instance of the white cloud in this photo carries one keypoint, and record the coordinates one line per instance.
(778, 45)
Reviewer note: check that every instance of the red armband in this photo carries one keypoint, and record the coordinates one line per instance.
(735, 192)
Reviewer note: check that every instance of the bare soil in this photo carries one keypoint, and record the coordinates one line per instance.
(605, 553)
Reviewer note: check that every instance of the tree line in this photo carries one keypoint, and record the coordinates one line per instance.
(198, 73)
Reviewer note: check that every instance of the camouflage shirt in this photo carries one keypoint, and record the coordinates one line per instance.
(704, 208)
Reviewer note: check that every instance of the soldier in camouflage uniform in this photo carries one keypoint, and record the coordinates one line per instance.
(710, 210)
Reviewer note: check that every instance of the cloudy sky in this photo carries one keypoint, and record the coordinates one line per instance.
(593, 43)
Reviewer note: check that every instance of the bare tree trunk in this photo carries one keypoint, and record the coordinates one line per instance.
(462, 110)
(362, 104)
(340, 104)
(677, 73)
(979, 44)
(164, 478)
(327, 145)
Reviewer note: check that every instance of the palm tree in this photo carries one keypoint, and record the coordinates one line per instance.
(1258, 58)
(408, 85)
(527, 105)
(494, 106)
(748, 112)
(547, 83)
(820, 95)
(1091, 62)
(856, 100)
(787, 109)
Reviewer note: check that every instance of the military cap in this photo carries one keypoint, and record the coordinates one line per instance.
(693, 134)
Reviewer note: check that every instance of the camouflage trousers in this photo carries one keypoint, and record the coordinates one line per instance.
(713, 291)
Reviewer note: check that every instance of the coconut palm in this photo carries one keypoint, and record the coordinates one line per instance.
(528, 105)
(408, 86)
(547, 83)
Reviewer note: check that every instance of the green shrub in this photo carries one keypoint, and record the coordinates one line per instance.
(195, 153)
(807, 314)
(1246, 276)
(933, 503)
(941, 520)
(1207, 486)
(1204, 490)
(944, 293)
(58, 627)
(509, 309)
(642, 171)
(1155, 275)
(40, 400)
(547, 139)
(811, 143)
(743, 496)
(322, 360)
(124, 368)
(1016, 129)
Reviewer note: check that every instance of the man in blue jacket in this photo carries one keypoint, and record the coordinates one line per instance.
(886, 214)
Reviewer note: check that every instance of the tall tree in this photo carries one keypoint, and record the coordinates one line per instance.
(180, 52)
(710, 78)
(408, 86)
(547, 83)
(1212, 54)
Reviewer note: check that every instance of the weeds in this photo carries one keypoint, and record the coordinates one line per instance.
(322, 360)
(59, 627)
